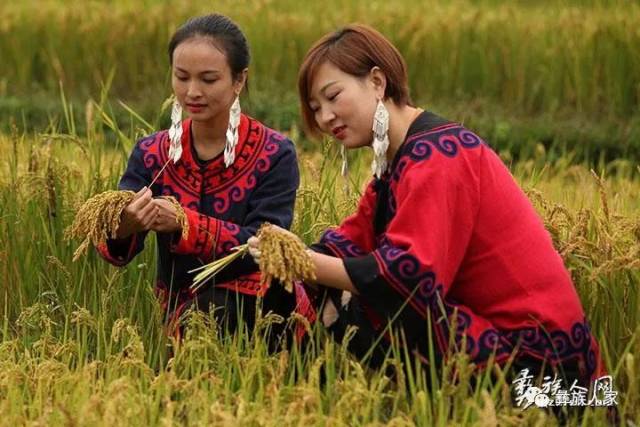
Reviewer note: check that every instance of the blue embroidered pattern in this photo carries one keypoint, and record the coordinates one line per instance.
(340, 245)
(403, 271)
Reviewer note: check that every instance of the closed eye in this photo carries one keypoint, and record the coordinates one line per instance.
(333, 97)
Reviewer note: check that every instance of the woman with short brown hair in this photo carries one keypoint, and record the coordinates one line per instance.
(444, 246)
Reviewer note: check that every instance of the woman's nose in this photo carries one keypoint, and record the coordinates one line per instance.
(326, 116)
(193, 91)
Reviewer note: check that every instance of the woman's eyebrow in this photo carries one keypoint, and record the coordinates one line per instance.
(325, 87)
(202, 72)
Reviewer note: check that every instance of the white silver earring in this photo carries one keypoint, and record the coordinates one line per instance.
(380, 142)
(175, 132)
(232, 133)
(344, 170)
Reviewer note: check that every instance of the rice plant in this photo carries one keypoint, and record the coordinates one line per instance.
(84, 343)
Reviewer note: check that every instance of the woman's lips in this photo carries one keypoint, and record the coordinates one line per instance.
(339, 131)
(195, 108)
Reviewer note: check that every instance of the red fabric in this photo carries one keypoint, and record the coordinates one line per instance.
(250, 284)
(304, 309)
(206, 236)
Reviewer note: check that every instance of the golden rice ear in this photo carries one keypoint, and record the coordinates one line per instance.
(82, 249)
(284, 257)
(98, 219)
(181, 216)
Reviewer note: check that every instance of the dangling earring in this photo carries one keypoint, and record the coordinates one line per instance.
(175, 132)
(380, 142)
(344, 170)
(232, 133)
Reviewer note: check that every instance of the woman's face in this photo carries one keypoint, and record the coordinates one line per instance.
(202, 81)
(344, 105)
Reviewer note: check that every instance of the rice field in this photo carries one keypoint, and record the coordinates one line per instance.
(553, 86)
(82, 343)
(556, 57)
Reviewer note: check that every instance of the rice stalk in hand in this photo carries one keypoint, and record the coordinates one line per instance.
(181, 216)
(208, 271)
(284, 258)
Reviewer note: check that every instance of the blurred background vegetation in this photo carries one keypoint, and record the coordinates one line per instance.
(564, 74)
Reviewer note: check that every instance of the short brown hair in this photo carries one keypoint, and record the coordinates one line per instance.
(354, 49)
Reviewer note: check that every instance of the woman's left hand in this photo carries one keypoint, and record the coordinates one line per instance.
(254, 248)
(166, 221)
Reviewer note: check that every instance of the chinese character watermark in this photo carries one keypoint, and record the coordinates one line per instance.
(551, 392)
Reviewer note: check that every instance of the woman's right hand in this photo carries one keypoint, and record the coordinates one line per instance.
(138, 215)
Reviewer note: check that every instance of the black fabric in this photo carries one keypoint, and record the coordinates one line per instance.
(425, 122)
(366, 341)
(382, 214)
(119, 248)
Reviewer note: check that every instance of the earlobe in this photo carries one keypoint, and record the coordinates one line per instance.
(242, 80)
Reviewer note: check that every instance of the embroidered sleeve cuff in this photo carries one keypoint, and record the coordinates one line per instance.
(322, 249)
(119, 251)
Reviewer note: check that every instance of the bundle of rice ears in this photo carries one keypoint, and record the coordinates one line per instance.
(283, 257)
(98, 219)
